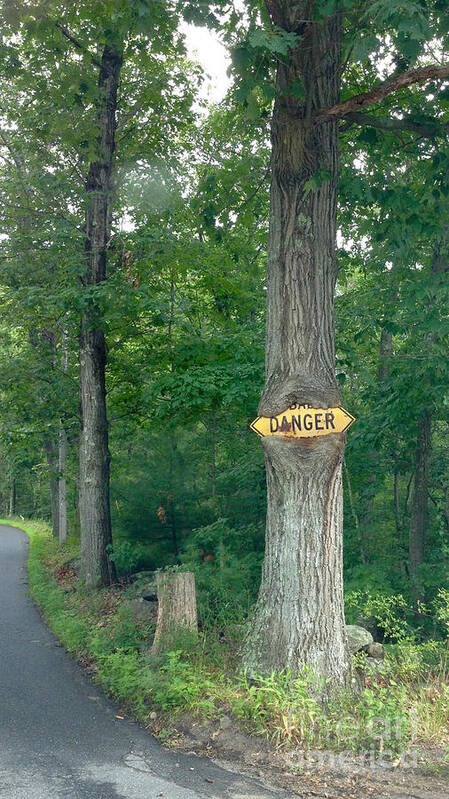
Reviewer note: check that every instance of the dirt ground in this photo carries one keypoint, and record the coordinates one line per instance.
(314, 774)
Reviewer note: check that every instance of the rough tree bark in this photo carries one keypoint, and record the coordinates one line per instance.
(299, 616)
(176, 607)
(95, 518)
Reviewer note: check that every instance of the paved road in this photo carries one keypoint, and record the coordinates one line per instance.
(58, 733)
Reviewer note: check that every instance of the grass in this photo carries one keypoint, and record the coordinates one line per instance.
(408, 702)
(437, 768)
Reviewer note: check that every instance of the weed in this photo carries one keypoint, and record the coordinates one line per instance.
(282, 706)
(436, 768)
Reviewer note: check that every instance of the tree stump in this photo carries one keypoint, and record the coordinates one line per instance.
(176, 607)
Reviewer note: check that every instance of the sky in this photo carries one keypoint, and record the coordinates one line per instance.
(204, 46)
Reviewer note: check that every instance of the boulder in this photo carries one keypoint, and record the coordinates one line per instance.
(141, 610)
(376, 651)
(358, 638)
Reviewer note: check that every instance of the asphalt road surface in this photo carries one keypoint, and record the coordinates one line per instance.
(58, 733)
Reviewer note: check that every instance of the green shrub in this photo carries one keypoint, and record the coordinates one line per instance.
(127, 556)
(179, 684)
(227, 584)
(382, 721)
(282, 706)
(387, 611)
(411, 662)
(121, 673)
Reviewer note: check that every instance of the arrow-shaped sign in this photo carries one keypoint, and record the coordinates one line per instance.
(302, 421)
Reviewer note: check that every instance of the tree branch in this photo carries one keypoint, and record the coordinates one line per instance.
(432, 128)
(382, 90)
(77, 43)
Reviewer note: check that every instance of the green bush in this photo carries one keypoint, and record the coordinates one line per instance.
(282, 704)
(178, 684)
(382, 721)
(387, 611)
(227, 584)
(127, 556)
(121, 673)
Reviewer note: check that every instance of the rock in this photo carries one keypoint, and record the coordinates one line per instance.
(144, 576)
(153, 715)
(376, 651)
(147, 590)
(374, 665)
(149, 597)
(225, 722)
(358, 638)
(141, 610)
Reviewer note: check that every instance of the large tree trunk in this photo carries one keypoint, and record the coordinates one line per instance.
(95, 517)
(299, 616)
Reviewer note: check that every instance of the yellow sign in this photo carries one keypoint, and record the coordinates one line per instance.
(302, 421)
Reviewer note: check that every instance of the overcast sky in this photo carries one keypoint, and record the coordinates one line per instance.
(204, 46)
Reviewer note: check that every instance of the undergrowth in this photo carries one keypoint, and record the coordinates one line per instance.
(406, 703)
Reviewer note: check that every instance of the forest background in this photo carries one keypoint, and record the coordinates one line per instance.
(184, 301)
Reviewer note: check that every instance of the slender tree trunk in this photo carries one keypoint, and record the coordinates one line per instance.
(407, 495)
(62, 487)
(171, 499)
(50, 451)
(420, 501)
(420, 496)
(354, 514)
(12, 497)
(299, 616)
(446, 513)
(76, 509)
(397, 510)
(95, 516)
(62, 455)
(369, 494)
(213, 453)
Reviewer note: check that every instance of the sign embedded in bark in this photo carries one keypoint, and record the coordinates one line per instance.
(302, 421)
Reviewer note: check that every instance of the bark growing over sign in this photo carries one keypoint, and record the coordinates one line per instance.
(177, 606)
(94, 507)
